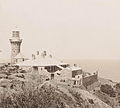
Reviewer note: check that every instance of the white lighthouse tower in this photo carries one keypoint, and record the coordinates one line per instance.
(15, 45)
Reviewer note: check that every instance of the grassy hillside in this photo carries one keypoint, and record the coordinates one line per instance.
(21, 89)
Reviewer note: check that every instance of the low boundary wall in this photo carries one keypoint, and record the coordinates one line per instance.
(86, 81)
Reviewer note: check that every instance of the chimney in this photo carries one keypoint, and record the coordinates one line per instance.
(50, 56)
(45, 53)
(33, 57)
(75, 65)
(37, 52)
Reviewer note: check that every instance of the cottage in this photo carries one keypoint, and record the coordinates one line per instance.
(44, 62)
(20, 58)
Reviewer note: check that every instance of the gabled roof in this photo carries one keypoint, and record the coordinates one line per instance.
(47, 61)
(41, 60)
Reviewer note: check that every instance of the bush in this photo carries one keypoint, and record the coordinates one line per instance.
(91, 101)
(117, 86)
(108, 90)
(31, 93)
(44, 97)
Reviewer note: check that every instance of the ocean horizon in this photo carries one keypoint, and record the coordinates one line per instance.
(108, 69)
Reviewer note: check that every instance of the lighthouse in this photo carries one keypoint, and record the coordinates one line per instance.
(15, 45)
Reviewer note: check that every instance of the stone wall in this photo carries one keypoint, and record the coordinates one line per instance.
(86, 81)
(15, 48)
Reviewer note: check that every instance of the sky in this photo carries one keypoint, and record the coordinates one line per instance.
(72, 29)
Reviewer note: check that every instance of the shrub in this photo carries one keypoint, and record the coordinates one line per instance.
(91, 101)
(44, 97)
(108, 90)
(117, 86)
(31, 93)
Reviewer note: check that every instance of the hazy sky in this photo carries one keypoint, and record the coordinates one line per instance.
(65, 28)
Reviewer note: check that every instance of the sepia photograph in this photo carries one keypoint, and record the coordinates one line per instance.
(59, 53)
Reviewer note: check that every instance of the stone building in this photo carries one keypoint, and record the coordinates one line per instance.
(15, 47)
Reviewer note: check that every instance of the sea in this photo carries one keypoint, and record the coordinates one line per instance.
(108, 69)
